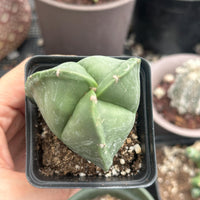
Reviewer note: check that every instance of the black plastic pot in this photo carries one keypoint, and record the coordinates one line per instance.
(145, 131)
(168, 26)
(127, 194)
(153, 190)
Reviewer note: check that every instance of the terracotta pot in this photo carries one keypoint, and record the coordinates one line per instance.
(166, 65)
(84, 29)
(169, 26)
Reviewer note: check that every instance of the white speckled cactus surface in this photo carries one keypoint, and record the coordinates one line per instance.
(185, 91)
(90, 105)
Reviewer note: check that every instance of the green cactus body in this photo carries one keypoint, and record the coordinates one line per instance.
(195, 192)
(195, 181)
(193, 154)
(89, 105)
(185, 91)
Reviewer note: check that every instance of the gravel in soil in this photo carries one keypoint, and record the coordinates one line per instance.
(174, 173)
(162, 104)
(58, 159)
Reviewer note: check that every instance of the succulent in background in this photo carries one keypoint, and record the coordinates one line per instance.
(185, 91)
(90, 105)
(193, 152)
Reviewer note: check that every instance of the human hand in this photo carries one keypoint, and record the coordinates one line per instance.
(13, 183)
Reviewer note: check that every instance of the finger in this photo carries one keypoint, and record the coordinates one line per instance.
(22, 190)
(11, 121)
(12, 91)
(17, 147)
(6, 161)
(12, 130)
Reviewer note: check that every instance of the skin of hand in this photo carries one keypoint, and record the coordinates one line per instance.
(13, 182)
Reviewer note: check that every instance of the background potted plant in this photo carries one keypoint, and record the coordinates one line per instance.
(169, 26)
(126, 194)
(168, 65)
(99, 28)
(15, 22)
(178, 167)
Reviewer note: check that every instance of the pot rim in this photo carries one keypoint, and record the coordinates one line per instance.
(189, 0)
(193, 133)
(106, 6)
(158, 118)
(83, 192)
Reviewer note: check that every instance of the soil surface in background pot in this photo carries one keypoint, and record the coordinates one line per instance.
(57, 159)
(85, 2)
(162, 104)
(174, 173)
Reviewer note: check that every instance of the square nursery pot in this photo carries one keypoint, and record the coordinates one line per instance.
(145, 131)
(84, 29)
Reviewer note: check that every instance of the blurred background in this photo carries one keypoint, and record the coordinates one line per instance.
(152, 29)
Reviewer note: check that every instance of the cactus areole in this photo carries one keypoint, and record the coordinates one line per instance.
(90, 105)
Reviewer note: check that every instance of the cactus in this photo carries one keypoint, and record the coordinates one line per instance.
(184, 92)
(195, 192)
(89, 105)
(193, 152)
(195, 181)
